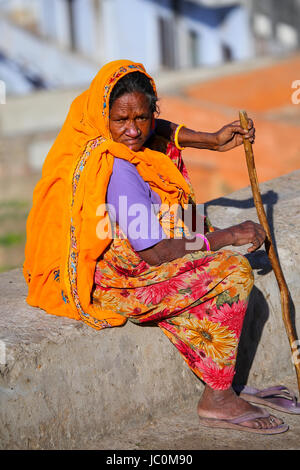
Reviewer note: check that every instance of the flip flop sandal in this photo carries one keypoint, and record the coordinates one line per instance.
(279, 398)
(236, 423)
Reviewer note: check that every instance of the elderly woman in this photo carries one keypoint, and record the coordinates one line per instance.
(89, 257)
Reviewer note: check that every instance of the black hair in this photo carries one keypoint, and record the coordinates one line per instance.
(131, 82)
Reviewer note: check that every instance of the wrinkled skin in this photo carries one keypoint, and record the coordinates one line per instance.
(130, 120)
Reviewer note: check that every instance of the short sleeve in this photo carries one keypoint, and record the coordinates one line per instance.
(134, 206)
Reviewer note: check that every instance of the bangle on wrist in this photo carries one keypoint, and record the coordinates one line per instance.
(207, 244)
(176, 136)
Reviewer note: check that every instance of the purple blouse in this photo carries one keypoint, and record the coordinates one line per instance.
(134, 205)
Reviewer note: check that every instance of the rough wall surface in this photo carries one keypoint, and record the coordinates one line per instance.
(64, 385)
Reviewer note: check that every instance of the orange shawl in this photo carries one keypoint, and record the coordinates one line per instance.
(62, 244)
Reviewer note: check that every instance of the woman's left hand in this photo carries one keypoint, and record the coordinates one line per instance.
(231, 135)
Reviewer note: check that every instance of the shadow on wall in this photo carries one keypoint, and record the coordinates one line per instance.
(269, 199)
(256, 316)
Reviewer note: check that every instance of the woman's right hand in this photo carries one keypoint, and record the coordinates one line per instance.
(248, 232)
(237, 235)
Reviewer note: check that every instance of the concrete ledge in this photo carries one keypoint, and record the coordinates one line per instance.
(64, 385)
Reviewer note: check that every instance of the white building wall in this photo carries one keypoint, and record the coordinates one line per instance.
(131, 30)
(56, 67)
(14, 81)
(161, 9)
(236, 33)
(203, 21)
(215, 27)
(107, 30)
(85, 26)
(54, 21)
(47, 19)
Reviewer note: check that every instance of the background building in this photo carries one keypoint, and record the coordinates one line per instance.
(61, 43)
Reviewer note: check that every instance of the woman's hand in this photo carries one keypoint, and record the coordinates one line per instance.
(248, 232)
(231, 135)
(237, 235)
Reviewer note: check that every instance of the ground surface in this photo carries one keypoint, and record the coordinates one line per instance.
(181, 431)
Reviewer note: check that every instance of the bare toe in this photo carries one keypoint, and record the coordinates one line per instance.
(268, 422)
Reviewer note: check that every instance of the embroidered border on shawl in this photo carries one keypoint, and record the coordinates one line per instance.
(73, 252)
(116, 76)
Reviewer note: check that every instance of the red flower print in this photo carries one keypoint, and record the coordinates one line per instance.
(141, 267)
(167, 326)
(120, 270)
(98, 276)
(185, 173)
(154, 293)
(157, 316)
(204, 310)
(191, 356)
(124, 293)
(214, 376)
(231, 316)
(199, 286)
(200, 264)
(136, 311)
(173, 152)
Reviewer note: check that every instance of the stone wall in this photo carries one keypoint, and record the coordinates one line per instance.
(64, 385)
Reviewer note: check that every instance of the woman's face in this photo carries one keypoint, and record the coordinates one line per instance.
(130, 120)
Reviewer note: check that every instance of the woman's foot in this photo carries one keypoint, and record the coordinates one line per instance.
(225, 404)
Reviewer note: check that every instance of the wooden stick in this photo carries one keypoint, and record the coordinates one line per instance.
(283, 288)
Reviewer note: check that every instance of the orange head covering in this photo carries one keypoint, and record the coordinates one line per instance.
(63, 241)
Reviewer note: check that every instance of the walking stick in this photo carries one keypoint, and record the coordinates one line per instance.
(283, 288)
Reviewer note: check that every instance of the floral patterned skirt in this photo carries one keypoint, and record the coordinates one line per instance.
(198, 301)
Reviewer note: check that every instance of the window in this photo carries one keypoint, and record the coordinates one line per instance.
(227, 53)
(72, 24)
(167, 43)
(193, 44)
